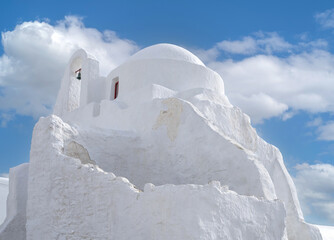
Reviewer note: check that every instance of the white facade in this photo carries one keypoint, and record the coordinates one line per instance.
(165, 65)
(3, 198)
(172, 126)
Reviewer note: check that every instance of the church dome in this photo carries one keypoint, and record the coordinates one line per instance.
(167, 66)
(166, 51)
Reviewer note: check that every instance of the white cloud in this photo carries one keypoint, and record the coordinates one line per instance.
(245, 46)
(319, 43)
(326, 131)
(315, 122)
(293, 77)
(5, 118)
(35, 54)
(315, 188)
(206, 55)
(299, 81)
(4, 175)
(272, 42)
(267, 43)
(326, 18)
(289, 114)
(260, 106)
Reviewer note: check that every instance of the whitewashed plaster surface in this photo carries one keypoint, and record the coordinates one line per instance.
(189, 164)
(3, 198)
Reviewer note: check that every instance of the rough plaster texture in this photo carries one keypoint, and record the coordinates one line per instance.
(14, 225)
(170, 117)
(87, 203)
(171, 126)
(3, 198)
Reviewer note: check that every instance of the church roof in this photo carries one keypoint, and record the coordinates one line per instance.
(166, 51)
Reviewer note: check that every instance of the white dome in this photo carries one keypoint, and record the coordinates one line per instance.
(166, 65)
(166, 51)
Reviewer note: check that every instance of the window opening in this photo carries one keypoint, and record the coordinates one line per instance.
(78, 74)
(116, 90)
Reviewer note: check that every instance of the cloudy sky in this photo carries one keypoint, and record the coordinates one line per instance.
(276, 59)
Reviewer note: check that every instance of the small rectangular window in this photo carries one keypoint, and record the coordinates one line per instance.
(116, 90)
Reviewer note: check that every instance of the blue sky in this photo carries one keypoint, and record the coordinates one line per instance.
(276, 59)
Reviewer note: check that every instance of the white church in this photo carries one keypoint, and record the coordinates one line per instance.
(155, 150)
(166, 65)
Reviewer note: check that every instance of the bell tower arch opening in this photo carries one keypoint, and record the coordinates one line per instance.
(75, 83)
